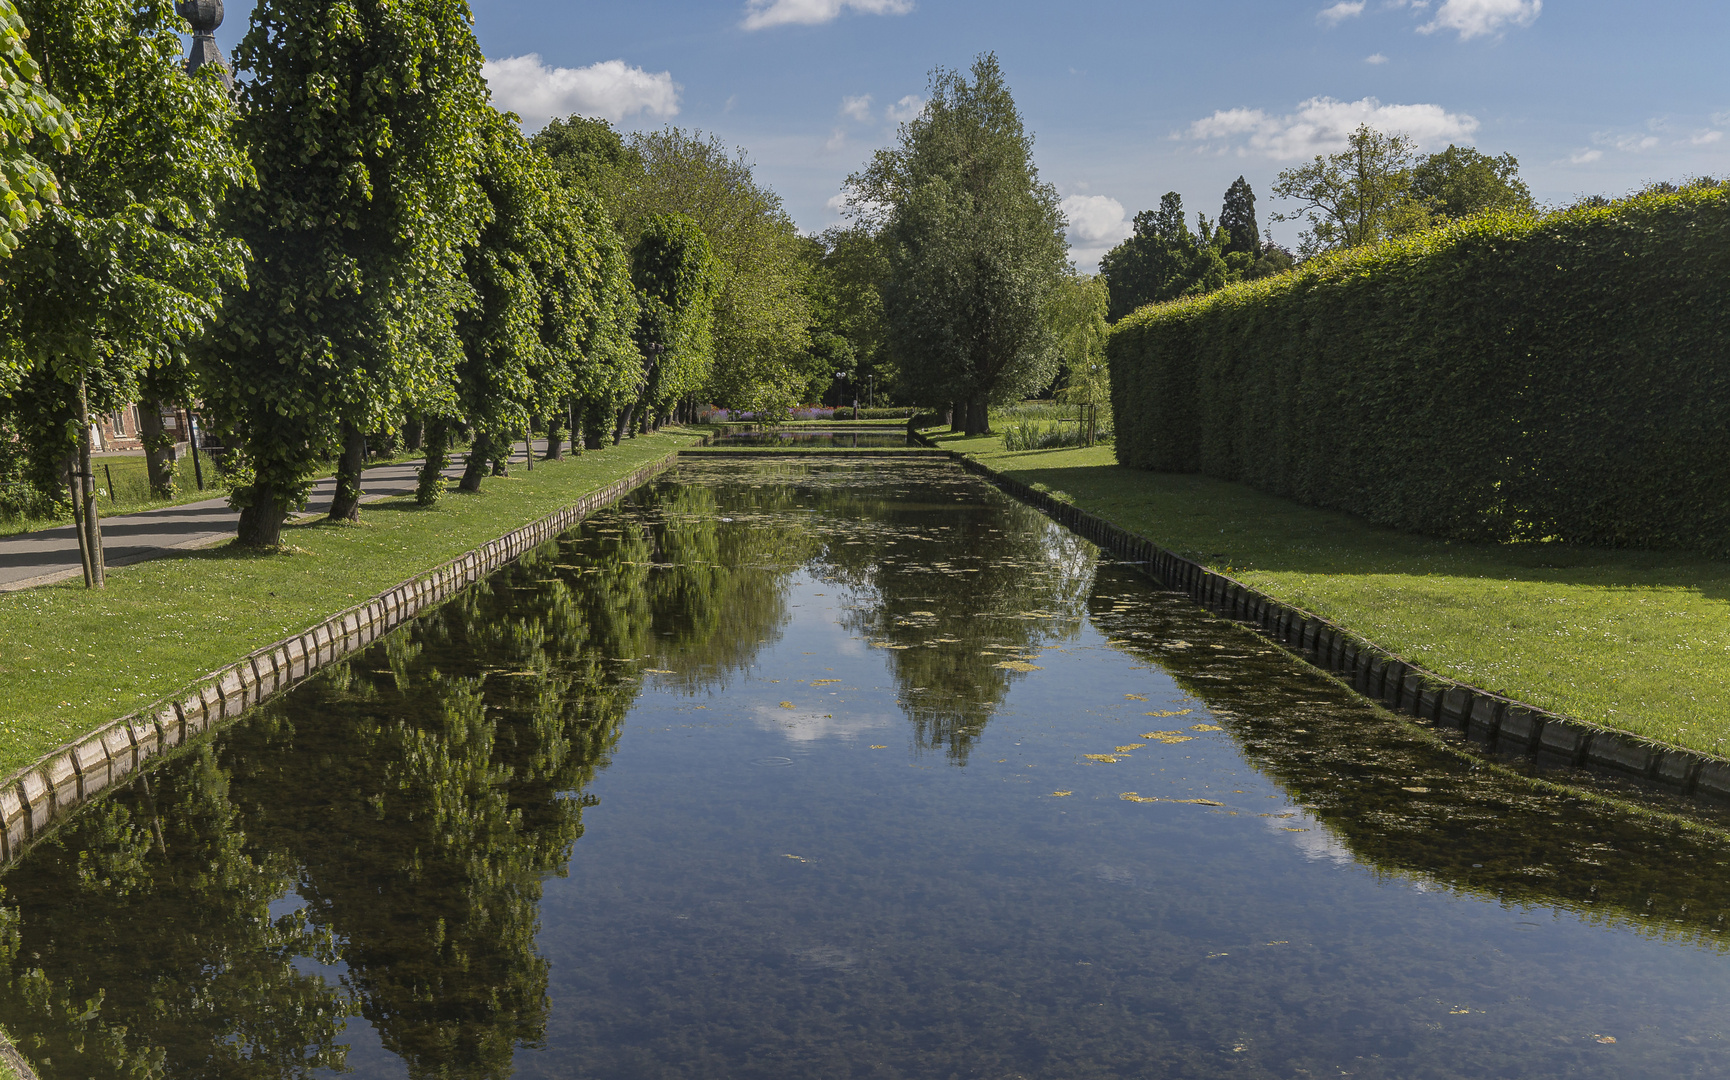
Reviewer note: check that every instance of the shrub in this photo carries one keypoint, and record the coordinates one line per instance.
(1502, 378)
(1036, 436)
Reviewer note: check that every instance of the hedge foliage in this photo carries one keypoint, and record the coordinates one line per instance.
(1503, 378)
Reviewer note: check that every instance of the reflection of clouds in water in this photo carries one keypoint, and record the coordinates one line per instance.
(1316, 841)
(808, 725)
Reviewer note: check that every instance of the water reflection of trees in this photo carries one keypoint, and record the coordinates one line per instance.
(1410, 802)
(415, 797)
(141, 943)
(958, 594)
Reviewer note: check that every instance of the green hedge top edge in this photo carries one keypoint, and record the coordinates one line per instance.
(1503, 378)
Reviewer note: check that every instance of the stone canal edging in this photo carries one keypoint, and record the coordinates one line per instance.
(34, 800)
(1390, 680)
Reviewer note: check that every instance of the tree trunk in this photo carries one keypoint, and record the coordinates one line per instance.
(345, 504)
(78, 519)
(594, 426)
(529, 449)
(957, 416)
(978, 417)
(412, 433)
(158, 449)
(90, 515)
(432, 482)
(557, 425)
(261, 519)
(475, 467)
(624, 423)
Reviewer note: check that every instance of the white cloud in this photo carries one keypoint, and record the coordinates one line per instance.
(905, 109)
(1096, 224)
(1476, 18)
(1341, 11)
(1628, 144)
(1095, 219)
(1705, 138)
(609, 90)
(837, 139)
(1584, 157)
(1375, 58)
(1721, 118)
(1321, 125)
(760, 14)
(859, 108)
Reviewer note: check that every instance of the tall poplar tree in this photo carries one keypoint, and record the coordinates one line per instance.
(126, 268)
(975, 246)
(363, 120)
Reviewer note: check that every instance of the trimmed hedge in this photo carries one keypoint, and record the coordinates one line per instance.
(1502, 378)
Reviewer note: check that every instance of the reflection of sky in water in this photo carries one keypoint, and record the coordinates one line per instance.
(944, 821)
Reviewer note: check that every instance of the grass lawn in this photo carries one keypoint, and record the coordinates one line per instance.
(72, 659)
(1636, 640)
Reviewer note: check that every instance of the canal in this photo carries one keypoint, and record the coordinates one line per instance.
(856, 770)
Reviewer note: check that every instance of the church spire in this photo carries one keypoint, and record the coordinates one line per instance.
(205, 16)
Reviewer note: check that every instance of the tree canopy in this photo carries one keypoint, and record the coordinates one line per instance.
(974, 244)
(361, 120)
(1379, 187)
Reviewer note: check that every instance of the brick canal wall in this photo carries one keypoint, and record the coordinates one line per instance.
(36, 799)
(1500, 722)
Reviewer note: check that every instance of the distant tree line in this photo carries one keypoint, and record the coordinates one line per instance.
(1378, 187)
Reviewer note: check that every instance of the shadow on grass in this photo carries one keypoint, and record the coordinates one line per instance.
(1227, 524)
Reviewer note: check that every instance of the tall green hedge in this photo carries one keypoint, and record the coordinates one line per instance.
(1504, 378)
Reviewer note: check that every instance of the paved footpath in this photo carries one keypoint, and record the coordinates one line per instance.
(38, 558)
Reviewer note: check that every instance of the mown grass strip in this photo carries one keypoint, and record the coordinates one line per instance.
(1633, 640)
(72, 659)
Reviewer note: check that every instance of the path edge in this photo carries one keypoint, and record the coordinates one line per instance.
(1387, 679)
(37, 798)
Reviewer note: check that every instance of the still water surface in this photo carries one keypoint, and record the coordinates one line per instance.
(845, 771)
(848, 438)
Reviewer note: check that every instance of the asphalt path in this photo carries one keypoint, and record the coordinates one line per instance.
(38, 558)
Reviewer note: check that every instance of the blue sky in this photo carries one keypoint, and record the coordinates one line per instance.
(1130, 100)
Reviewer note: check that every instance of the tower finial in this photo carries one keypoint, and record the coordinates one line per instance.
(205, 16)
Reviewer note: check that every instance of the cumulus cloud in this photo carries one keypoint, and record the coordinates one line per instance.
(1341, 11)
(1321, 125)
(859, 108)
(609, 90)
(1477, 18)
(1584, 157)
(905, 109)
(761, 14)
(1375, 58)
(1095, 219)
(1096, 224)
(1705, 138)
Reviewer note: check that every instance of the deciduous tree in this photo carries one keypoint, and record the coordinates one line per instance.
(1354, 197)
(1461, 181)
(974, 242)
(362, 120)
(126, 269)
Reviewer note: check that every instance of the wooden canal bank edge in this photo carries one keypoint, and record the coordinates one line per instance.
(36, 799)
(1501, 723)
